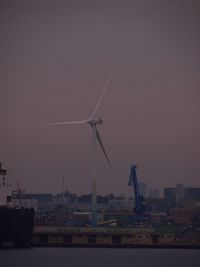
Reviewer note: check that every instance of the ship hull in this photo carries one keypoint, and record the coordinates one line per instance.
(16, 226)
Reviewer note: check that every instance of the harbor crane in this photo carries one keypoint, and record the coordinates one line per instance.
(139, 210)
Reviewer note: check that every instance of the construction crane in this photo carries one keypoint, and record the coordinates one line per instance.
(139, 211)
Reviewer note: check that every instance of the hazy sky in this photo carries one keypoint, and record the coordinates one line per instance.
(55, 57)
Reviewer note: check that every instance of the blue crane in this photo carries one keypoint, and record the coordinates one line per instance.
(139, 207)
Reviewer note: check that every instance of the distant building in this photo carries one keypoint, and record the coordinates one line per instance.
(154, 193)
(44, 202)
(192, 193)
(76, 206)
(143, 189)
(183, 197)
(156, 205)
(183, 216)
(170, 193)
(119, 204)
(25, 203)
(179, 193)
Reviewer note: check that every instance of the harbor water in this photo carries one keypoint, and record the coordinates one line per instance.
(99, 257)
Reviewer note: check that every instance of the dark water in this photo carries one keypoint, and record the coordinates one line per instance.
(78, 257)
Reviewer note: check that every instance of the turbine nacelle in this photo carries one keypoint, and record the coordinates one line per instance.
(96, 121)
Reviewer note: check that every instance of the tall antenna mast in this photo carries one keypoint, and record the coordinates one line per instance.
(63, 189)
(63, 181)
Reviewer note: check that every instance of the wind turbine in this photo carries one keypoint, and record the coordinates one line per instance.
(93, 121)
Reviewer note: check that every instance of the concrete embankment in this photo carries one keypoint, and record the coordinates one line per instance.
(107, 238)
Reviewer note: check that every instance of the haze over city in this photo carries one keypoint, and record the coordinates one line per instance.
(55, 59)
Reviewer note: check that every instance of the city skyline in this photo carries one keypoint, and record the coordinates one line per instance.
(55, 58)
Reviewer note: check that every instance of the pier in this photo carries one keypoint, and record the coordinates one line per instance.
(100, 237)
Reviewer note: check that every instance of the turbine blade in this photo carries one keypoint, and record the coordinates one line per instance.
(101, 96)
(66, 122)
(102, 147)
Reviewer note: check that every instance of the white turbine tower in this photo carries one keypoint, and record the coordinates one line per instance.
(93, 121)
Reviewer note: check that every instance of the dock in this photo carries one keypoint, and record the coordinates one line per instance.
(102, 237)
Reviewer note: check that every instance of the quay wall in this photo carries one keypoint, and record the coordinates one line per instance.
(100, 237)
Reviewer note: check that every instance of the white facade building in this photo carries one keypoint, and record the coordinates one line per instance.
(5, 189)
